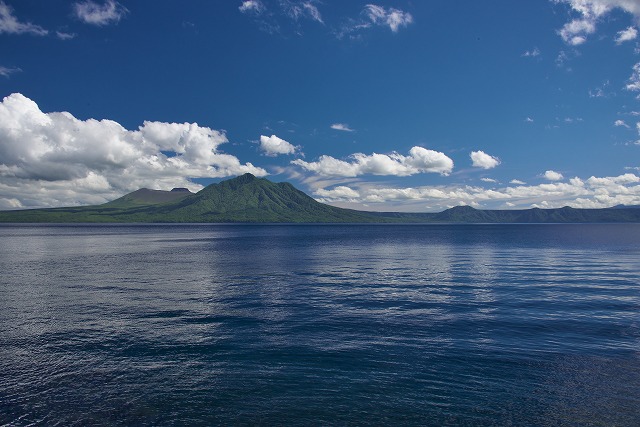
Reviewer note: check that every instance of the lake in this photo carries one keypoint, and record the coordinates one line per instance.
(315, 324)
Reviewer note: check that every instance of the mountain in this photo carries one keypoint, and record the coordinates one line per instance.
(250, 199)
(242, 199)
(144, 196)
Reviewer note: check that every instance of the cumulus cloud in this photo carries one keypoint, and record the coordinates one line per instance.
(419, 160)
(340, 192)
(553, 175)
(54, 159)
(273, 146)
(342, 126)
(627, 35)
(590, 193)
(517, 182)
(483, 160)
(621, 123)
(577, 30)
(252, 6)
(89, 12)
(9, 24)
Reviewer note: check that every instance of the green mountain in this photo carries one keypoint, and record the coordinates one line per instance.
(250, 199)
(242, 199)
(144, 196)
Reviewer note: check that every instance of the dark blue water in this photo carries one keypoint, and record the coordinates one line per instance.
(339, 324)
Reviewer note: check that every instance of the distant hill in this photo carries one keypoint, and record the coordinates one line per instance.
(625, 207)
(144, 196)
(250, 199)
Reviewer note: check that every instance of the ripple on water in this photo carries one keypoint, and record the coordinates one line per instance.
(457, 325)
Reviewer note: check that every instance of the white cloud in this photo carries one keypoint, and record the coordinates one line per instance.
(297, 10)
(392, 18)
(627, 35)
(420, 160)
(374, 15)
(517, 182)
(342, 126)
(591, 193)
(54, 159)
(528, 120)
(532, 53)
(483, 160)
(65, 36)
(272, 146)
(89, 12)
(339, 192)
(622, 123)
(7, 71)
(634, 81)
(576, 31)
(600, 92)
(488, 180)
(9, 24)
(553, 175)
(252, 6)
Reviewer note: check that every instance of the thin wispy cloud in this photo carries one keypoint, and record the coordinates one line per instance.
(297, 10)
(8, 71)
(391, 17)
(372, 16)
(109, 12)
(9, 24)
(535, 52)
(65, 36)
(252, 6)
(601, 91)
(342, 126)
(633, 84)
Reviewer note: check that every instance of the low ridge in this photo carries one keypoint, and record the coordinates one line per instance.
(250, 199)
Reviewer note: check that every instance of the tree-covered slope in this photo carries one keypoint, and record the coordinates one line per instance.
(242, 199)
(250, 199)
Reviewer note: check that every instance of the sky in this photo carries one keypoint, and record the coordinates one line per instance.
(412, 106)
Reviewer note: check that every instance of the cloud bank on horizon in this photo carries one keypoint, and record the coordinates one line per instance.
(55, 159)
(351, 106)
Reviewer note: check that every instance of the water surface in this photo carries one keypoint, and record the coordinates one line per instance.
(312, 324)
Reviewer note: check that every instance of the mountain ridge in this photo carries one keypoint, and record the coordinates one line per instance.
(249, 199)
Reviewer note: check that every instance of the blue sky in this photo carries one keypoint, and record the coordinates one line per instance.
(403, 105)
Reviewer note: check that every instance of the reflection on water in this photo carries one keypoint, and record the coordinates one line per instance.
(218, 324)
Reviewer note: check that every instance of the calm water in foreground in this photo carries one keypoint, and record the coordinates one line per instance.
(340, 324)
